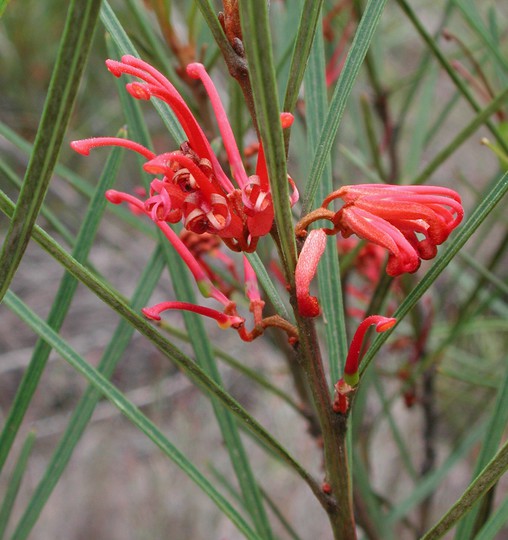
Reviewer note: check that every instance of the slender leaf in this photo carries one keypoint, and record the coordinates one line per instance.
(206, 360)
(72, 55)
(126, 408)
(15, 482)
(482, 483)
(309, 20)
(59, 309)
(431, 481)
(193, 372)
(462, 136)
(258, 49)
(414, 155)
(84, 409)
(474, 20)
(407, 9)
(330, 288)
(497, 426)
(48, 215)
(495, 523)
(341, 93)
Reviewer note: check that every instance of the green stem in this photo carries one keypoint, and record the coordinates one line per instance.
(73, 52)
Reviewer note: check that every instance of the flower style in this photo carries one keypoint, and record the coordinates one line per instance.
(194, 187)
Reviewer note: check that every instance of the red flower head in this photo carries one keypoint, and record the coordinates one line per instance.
(193, 186)
(409, 221)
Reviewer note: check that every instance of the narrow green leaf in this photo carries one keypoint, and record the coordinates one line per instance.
(342, 91)
(495, 523)
(48, 215)
(419, 78)
(72, 55)
(193, 372)
(482, 483)
(330, 288)
(86, 405)
(59, 308)
(472, 16)
(487, 204)
(126, 408)
(461, 86)
(429, 483)
(258, 49)
(462, 136)
(205, 358)
(404, 452)
(497, 426)
(309, 19)
(489, 277)
(425, 103)
(371, 501)
(358, 160)
(15, 482)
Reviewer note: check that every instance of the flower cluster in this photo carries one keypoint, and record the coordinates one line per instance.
(408, 221)
(193, 187)
(393, 217)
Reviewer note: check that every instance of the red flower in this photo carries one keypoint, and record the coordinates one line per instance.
(353, 356)
(345, 387)
(223, 320)
(194, 187)
(409, 221)
(306, 268)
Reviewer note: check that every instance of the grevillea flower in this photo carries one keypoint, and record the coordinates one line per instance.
(346, 386)
(223, 320)
(193, 187)
(409, 221)
(306, 268)
(353, 356)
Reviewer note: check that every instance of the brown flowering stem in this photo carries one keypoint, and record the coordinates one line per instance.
(334, 428)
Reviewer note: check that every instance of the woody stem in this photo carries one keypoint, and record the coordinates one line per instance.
(333, 428)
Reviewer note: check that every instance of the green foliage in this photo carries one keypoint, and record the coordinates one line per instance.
(430, 411)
